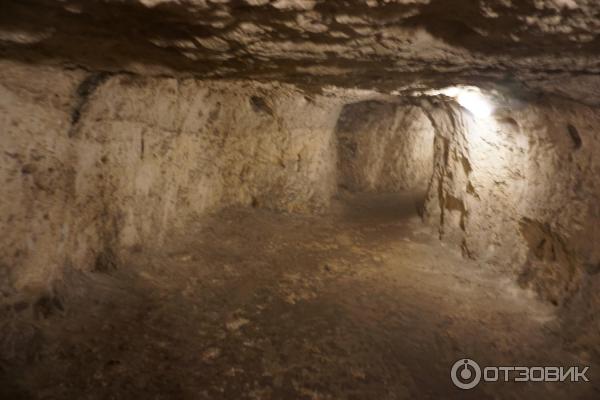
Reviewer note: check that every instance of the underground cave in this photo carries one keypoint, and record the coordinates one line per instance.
(299, 199)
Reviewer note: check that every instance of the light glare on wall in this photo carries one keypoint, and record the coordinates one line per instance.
(469, 98)
(475, 103)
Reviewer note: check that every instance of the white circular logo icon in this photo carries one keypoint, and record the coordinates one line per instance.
(465, 374)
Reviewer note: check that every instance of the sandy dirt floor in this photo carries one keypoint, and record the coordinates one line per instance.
(364, 303)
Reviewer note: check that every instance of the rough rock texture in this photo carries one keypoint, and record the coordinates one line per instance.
(122, 121)
(384, 147)
(37, 175)
(521, 190)
(551, 45)
(348, 305)
(93, 163)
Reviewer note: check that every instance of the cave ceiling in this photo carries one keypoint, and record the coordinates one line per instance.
(538, 46)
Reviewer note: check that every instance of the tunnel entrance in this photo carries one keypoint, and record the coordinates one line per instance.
(385, 158)
(384, 148)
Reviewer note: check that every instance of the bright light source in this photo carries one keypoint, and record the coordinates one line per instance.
(475, 103)
(469, 98)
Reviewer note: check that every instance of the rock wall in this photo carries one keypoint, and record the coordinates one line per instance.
(37, 175)
(384, 147)
(93, 163)
(521, 190)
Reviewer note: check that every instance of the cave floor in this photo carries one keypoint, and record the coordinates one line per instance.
(364, 303)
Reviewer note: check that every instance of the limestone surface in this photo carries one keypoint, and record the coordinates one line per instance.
(520, 188)
(93, 163)
(384, 147)
(389, 45)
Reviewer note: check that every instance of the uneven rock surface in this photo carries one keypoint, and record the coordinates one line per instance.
(384, 147)
(123, 124)
(521, 190)
(95, 163)
(548, 45)
(98, 164)
(363, 303)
